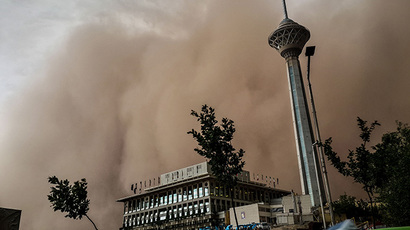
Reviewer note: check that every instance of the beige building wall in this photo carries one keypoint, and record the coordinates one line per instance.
(291, 204)
(246, 214)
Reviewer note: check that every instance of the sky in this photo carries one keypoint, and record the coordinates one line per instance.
(103, 90)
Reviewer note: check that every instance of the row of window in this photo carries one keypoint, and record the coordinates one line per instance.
(243, 193)
(170, 213)
(195, 191)
(166, 198)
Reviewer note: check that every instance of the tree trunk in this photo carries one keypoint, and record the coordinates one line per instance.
(233, 207)
(92, 222)
(372, 209)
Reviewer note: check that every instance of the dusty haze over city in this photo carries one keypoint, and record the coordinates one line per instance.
(104, 89)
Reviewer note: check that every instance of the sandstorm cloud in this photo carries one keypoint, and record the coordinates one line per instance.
(110, 101)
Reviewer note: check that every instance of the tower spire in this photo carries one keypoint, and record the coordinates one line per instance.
(285, 11)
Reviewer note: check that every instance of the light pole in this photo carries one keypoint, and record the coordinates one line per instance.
(310, 51)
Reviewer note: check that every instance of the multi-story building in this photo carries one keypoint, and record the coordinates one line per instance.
(191, 198)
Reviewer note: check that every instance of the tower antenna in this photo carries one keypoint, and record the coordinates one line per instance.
(285, 12)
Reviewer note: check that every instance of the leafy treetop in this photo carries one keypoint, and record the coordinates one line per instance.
(71, 199)
(215, 144)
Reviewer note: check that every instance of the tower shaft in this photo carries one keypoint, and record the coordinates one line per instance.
(307, 158)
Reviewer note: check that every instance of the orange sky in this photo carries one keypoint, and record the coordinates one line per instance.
(109, 99)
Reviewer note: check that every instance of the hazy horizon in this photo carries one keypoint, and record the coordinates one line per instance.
(103, 90)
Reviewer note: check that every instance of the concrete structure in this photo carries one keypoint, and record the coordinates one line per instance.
(191, 198)
(9, 219)
(288, 39)
(291, 209)
(296, 210)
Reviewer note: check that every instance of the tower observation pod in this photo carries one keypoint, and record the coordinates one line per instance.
(288, 39)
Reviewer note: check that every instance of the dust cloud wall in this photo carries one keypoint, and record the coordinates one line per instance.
(109, 95)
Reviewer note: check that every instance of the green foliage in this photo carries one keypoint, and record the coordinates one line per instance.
(393, 157)
(383, 172)
(71, 199)
(215, 145)
(360, 164)
(353, 208)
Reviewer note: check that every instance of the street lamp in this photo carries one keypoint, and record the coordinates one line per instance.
(310, 51)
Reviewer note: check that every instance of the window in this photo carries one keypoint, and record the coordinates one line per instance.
(163, 215)
(175, 196)
(170, 198)
(196, 210)
(185, 210)
(195, 193)
(200, 191)
(180, 211)
(206, 190)
(189, 192)
(185, 195)
(201, 207)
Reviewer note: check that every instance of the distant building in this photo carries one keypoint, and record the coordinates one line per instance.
(191, 198)
(9, 219)
(290, 209)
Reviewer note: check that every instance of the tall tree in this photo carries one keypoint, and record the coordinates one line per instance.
(393, 161)
(71, 199)
(215, 144)
(361, 164)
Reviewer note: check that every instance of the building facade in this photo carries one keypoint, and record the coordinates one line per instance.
(191, 198)
(287, 210)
